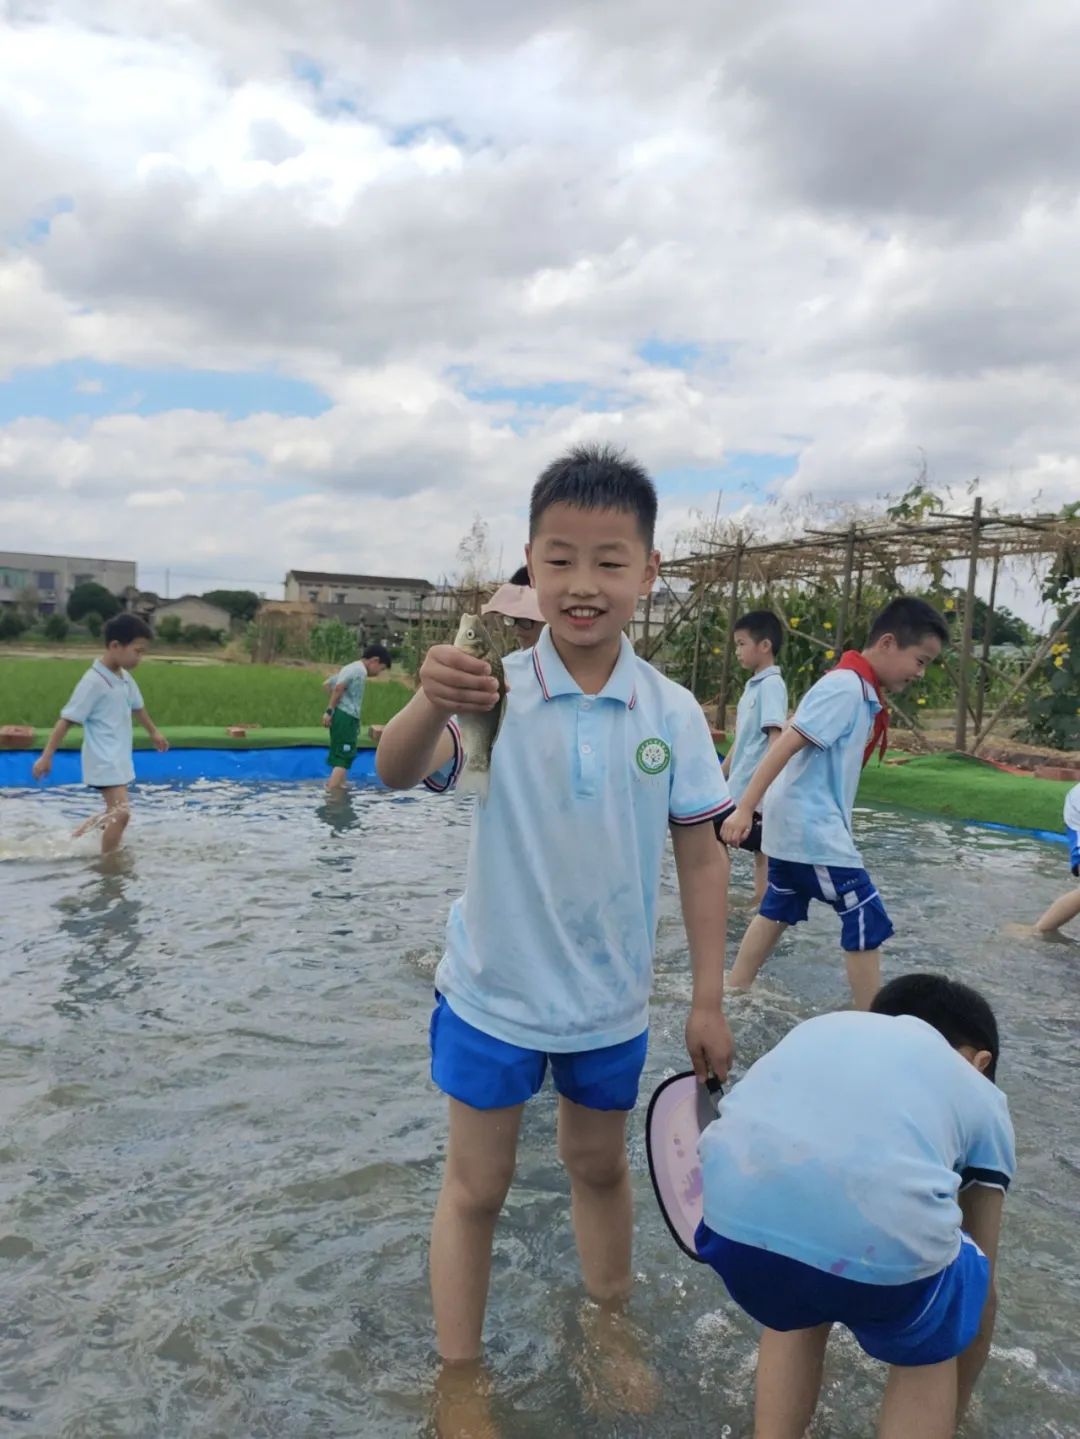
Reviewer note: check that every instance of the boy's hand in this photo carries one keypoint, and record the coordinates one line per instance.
(327, 719)
(709, 1042)
(737, 826)
(161, 744)
(456, 682)
(42, 766)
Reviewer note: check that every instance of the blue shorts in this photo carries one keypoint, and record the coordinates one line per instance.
(488, 1073)
(851, 892)
(921, 1323)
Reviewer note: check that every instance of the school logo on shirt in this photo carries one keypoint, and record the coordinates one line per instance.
(653, 756)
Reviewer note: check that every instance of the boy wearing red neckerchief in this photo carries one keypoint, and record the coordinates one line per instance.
(812, 774)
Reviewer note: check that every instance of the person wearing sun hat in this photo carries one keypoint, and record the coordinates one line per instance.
(516, 602)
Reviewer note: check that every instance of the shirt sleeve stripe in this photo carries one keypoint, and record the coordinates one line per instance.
(716, 811)
(813, 739)
(433, 784)
(992, 1178)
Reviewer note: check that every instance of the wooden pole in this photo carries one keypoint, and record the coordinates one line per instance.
(845, 593)
(984, 658)
(1040, 655)
(960, 742)
(702, 598)
(729, 643)
(645, 628)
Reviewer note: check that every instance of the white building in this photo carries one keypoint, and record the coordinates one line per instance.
(401, 596)
(193, 610)
(48, 580)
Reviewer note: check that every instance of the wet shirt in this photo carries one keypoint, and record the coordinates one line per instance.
(353, 677)
(551, 945)
(845, 1148)
(102, 702)
(807, 809)
(762, 707)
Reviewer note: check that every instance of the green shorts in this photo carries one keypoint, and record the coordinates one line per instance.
(344, 732)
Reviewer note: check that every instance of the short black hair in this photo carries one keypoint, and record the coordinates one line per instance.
(910, 620)
(520, 576)
(124, 629)
(761, 625)
(956, 1011)
(597, 477)
(378, 652)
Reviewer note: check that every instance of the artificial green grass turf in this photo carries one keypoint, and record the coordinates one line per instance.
(960, 787)
(33, 691)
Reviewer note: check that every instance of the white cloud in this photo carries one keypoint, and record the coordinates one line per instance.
(871, 242)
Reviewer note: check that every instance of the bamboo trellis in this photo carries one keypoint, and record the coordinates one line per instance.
(848, 554)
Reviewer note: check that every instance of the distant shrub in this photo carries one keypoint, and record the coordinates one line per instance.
(56, 627)
(12, 624)
(93, 623)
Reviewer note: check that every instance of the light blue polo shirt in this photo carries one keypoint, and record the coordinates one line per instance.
(551, 945)
(762, 707)
(102, 702)
(845, 1148)
(806, 816)
(354, 678)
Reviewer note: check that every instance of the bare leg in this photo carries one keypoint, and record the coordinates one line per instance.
(761, 878)
(788, 1381)
(920, 1401)
(338, 778)
(592, 1145)
(462, 1403)
(864, 975)
(479, 1167)
(761, 938)
(1059, 913)
(116, 817)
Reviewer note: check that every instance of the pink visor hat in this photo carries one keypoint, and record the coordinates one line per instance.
(518, 602)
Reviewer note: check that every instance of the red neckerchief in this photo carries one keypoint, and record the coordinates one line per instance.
(879, 735)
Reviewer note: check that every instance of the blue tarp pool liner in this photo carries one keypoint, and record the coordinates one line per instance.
(184, 766)
(1050, 835)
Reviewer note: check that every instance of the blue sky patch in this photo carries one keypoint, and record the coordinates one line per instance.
(85, 389)
(746, 473)
(675, 354)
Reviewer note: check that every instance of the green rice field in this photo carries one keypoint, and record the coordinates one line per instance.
(32, 692)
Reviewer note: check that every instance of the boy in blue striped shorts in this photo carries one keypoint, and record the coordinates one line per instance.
(811, 776)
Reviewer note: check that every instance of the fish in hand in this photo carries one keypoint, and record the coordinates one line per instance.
(479, 731)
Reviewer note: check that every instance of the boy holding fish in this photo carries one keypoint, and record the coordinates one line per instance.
(583, 756)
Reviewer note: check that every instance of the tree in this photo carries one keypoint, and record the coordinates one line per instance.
(93, 623)
(12, 623)
(241, 604)
(169, 629)
(56, 627)
(92, 596)
(473, 554)
(333, 643)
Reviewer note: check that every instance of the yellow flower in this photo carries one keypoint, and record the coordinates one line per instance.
(795, 622)
(950, 604)
(1058, 649)
(716, 649)
(921, 700)
(1059, 662)
(830, 654)
(828, 626)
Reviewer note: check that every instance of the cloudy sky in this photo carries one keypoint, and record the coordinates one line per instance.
(308, 284)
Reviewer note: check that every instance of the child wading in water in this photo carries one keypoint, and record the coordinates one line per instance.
(103, 702)
(811, 775)
(549, 952)
(761, 716)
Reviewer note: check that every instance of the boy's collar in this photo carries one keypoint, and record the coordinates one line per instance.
(763, 674)
(555, 679)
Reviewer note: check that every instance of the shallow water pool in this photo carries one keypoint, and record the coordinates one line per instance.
(219, 1149)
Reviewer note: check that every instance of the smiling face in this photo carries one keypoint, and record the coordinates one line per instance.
(589, 568)
(897, 665)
